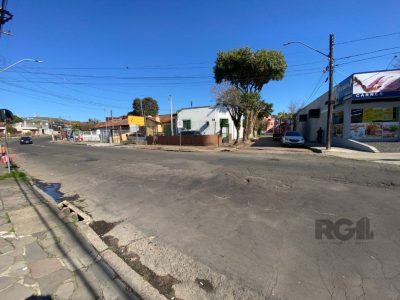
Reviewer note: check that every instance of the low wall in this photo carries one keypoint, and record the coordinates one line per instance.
(187, 140)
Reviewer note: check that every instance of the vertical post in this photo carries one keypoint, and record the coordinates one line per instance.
(7, 153)
(172, 122)
(112, 129)
(106, 135)
(331, 96)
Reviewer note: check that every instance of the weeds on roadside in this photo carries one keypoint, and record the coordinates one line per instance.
(15, 175)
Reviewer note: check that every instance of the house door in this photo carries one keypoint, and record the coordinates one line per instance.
(224, 125)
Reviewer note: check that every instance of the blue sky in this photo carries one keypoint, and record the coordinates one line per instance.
(99, 55)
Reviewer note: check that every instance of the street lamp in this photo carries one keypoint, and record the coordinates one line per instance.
(5, 126)
(330, 97)
(20, 61)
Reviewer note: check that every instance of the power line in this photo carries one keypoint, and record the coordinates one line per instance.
(368, 58)
(365, 53)
(367, 38)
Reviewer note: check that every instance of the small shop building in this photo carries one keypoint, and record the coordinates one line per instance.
(367, 109)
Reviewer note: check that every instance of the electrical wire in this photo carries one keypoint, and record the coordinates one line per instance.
(368, 58)
(365, 53)
(367, 38)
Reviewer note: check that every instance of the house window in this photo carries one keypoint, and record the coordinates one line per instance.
(187, 124)
(223, 123)
(314, 113)
(303, 118)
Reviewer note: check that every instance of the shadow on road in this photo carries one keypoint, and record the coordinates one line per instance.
(266, 141)
(76, 237)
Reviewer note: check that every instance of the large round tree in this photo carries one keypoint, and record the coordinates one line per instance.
(249, 71)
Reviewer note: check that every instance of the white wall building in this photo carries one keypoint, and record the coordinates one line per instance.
(213, 119)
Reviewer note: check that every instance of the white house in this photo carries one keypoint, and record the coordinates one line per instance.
(213, 119)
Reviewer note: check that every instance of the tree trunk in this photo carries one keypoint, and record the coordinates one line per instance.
(250, 125)
(237, 134)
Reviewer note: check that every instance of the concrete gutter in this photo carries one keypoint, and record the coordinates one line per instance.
(132, 279)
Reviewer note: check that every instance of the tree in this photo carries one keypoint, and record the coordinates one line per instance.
(230, 98)
(148, 104)
(16, 119)
(261, 123)
(249, 71)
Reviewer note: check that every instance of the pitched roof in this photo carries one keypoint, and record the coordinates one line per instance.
(164, 118)
(113, 122)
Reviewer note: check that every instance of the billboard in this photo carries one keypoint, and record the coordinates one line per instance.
(343, 90)
(376, 85)
(136, 120)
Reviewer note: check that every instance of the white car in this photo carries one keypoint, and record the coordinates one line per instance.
(292, 138)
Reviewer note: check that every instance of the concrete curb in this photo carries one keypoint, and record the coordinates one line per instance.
(132, 279)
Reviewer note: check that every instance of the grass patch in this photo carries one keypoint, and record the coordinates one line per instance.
(15, 175)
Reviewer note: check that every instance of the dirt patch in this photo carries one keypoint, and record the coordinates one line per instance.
(164, 284)
(71, 198)
(205, 285)
(102, 227)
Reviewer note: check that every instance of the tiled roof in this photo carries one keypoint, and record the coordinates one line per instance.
(114, 122)
(164, 118)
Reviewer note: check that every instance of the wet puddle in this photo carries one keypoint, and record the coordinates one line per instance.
(52, 189)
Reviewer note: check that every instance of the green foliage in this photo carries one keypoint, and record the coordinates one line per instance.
(394, 128)
(11, 130)
(261, 125)
(76, 127)
(14, 175)
(249, 71)
(267, 111)
(149, 105)
(16, 119)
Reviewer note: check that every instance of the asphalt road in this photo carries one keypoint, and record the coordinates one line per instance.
(250, 217)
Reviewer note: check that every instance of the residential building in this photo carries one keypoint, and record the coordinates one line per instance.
(209, 120)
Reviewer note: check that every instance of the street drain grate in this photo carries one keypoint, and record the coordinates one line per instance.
(74, 213)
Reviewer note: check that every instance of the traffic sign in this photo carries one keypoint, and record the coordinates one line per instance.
(179, 123)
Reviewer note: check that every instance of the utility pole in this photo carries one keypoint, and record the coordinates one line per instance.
(331, 100)
(112, 129)
(172, 122)
(7, 152)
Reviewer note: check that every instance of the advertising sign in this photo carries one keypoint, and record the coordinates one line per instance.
(376, 84)
(377, 114)
(343, 90)
(390, 129)
(136, 120)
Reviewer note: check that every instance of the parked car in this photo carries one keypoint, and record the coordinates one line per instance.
(190, 132)
(292, 138)
(26, 140)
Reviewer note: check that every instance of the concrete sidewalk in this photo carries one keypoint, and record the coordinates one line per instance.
(43, 255)
(380, 157)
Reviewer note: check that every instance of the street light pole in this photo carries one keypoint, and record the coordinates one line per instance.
(331, 100)
(20, 61)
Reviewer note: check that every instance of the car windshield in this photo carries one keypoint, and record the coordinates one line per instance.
(293, 133)
(25, 138)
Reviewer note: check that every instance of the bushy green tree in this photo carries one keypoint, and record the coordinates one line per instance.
(249, 71)
(146, 106)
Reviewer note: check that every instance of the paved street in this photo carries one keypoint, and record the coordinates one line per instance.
(235, 225)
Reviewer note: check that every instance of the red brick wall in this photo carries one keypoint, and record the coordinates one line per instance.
(187, 140)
